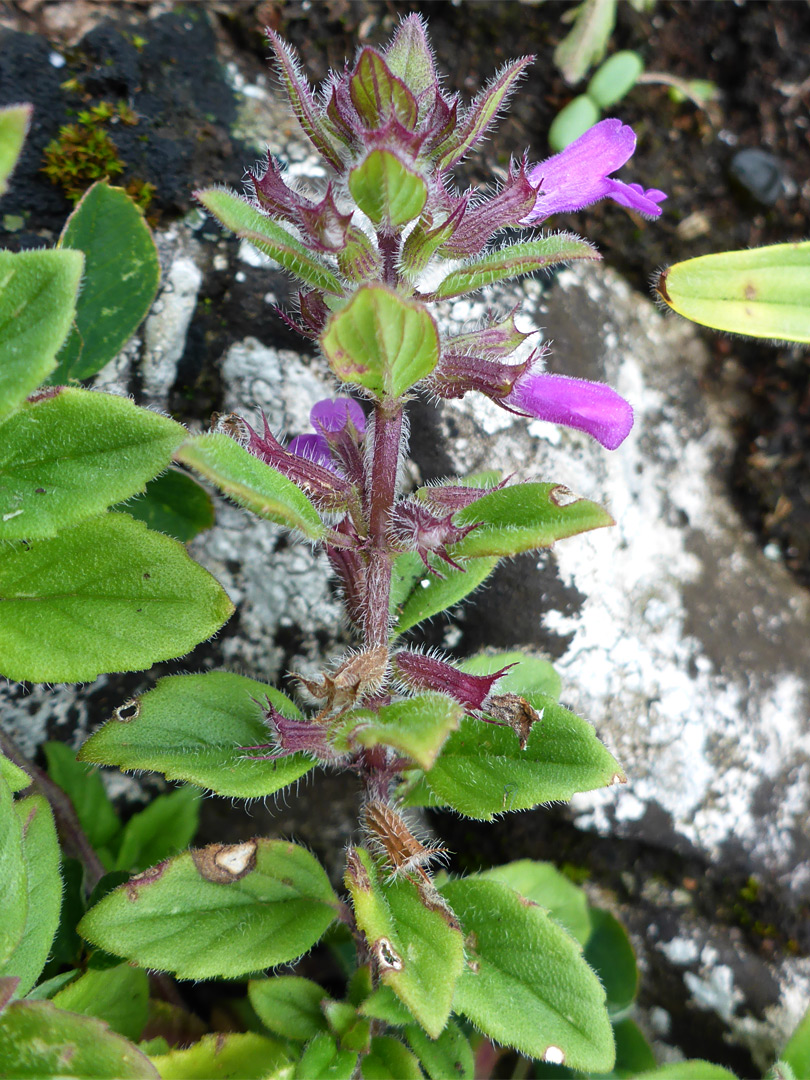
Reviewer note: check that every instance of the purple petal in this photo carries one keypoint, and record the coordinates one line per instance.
(329, 415)
(594, 408)
(312, 448)
(636, 198)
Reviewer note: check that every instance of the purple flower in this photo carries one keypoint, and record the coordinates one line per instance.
(327, 416)
(594, 408)
(579, 175)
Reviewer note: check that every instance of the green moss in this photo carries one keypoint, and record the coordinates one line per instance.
(82, 154)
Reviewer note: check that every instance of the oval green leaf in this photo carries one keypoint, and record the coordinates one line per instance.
(289, 1006)
(526, 983)
(610, 954)
(387, 191)
(449, 1055)
(381, 342)
(417, 949)
(118, 995)
(223, 1056)
(389, 1059)
(174, 504)
(121, 276)
(525, 517)
(615, 78)
(764, 292)
(416, 727)
(571, 121)
(195, 728)
(38, 1039)
(14, 121)
(217, 912)
(37, 303)
(67, 457)
(797, 1051)
(512, 261)
(543, 884)
(251, 483)
(417, 595)
(482, 771)
(106, 595)
(13, 877)
(244, 219)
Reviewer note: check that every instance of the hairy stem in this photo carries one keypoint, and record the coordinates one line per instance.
(387, 438)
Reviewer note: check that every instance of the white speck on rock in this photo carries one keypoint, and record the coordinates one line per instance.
(166, 328)
(680, 950)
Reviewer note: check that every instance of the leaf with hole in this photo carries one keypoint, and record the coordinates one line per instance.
(517, 953)
(70, 456)
(196, 728)
(105, 595)
(121, 276)
(251, 483)
(217, 912)
(37, 303)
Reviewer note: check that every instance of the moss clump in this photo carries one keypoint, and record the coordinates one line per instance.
(81, 155)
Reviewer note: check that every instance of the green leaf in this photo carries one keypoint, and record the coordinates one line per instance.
(529, 675)
(448, 1056)
(105, 595)
(525, 517)
(610, 954)
(165, 827)
(410, 59)
(387, 191)
(67, 946)
(44, 991)
(195, 728)
(121, 276)
(117, 995)
(383, 1004)
(13, 877)
(417, 727)
(482, 771)
(615, 78)
(175, 504)
(694, 1069)
(797, 1051)
(67, 457)
(251, 483)
(14, 121)
(633, 1052)
(226, 1055)
(417, 948)
(764, 292)
(85, 789)
(543, 884)
(40, 849)
(517, 954)
(417, 595)
(218, 912)
(38, 1039)
(512, 261)
(388, 1059)
(377, 93)
(571, 121)
(586, 43)
(322, 1060)
(480, 114)
(16, 778)
(37, 301)
(244, 219)
(289, 1006)
(381, 342)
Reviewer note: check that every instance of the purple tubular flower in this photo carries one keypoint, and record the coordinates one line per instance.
(333, 415)
(313, 448)
(580, 175)
(594, 408)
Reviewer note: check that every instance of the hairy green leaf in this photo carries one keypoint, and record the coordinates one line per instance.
(764, 292)
(195, 728)
(416, 727)
(518, 954)
(797, 1051)
(38, 1039)
(289, 1006)
(693, 1069)
(322, 1060)
(174, 504)
(414, 941)
(223, 1056)
(389, 1059)
(86, 791)
(37, 302)
(448, 1056)
(118, 995)
(105, 595)
(121, 276)
(14, 121)
(482, 770)
(610, 954)
(40, 849)
(251, 483)
(387, 191)
(16, 778)
(165, 827)
(543, 884)
(525, 517)
(530, 674)
(67, 457)
(381, 342)
(244, 219)
(217, 912)
(417, 595)
(512, 261)
(13, 877)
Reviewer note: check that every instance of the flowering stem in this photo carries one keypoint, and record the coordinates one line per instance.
(385, 450)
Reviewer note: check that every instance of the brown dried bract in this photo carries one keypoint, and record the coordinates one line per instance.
(389, 833)
(225, 863)
(357, 677)
(514, 710)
